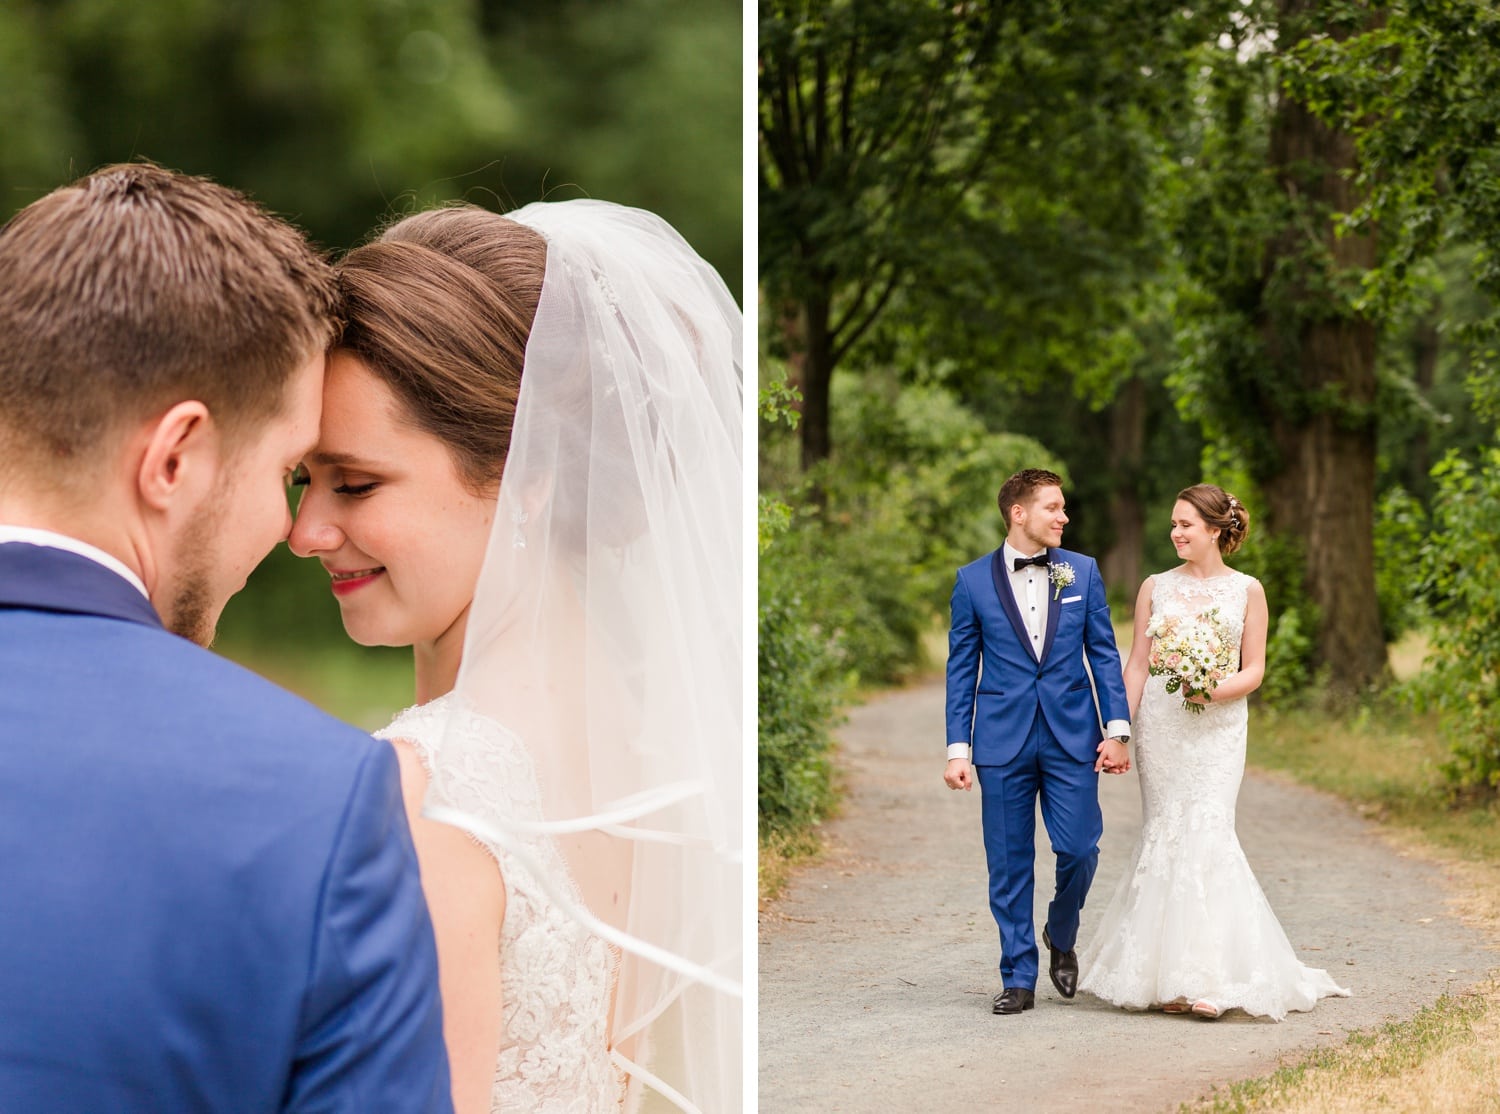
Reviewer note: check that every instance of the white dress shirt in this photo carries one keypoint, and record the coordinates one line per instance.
(52, 540)
(1029, 585)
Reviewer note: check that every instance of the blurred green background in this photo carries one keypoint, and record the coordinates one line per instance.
(338, 114)
(1144, 244)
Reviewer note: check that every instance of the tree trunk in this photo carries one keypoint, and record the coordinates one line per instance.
(1121, 565)
(1324, 488)
(1325, 494)
(817, 377)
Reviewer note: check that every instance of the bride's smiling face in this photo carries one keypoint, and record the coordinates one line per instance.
(1192, 537)
(386, 512)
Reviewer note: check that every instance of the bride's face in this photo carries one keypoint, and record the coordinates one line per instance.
(386, 512)
(1193, 539)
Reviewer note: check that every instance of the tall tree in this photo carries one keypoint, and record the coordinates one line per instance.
(872, 120)
(980, 174)
(1419, 91)
(1315, 330)
(1283, 360)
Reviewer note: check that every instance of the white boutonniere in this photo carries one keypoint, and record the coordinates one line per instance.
(1062, 575)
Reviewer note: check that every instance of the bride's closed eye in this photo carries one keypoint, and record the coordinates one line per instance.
(300, 477)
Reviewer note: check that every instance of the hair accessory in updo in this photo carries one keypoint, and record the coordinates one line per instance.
(1231, 522)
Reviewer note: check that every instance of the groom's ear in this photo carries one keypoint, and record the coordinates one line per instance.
(182, 458)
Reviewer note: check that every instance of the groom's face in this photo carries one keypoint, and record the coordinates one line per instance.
(1042, 520)
(246, 515)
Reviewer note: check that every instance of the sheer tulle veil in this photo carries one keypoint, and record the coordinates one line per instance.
(606, 630)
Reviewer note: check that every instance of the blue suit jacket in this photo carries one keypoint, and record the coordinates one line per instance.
(209, 899)
(996, 685)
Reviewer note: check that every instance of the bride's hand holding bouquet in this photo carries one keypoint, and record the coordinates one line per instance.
(1192, 654)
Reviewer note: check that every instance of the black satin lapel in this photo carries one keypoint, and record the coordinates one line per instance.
(1054, 610)
(1008, 598)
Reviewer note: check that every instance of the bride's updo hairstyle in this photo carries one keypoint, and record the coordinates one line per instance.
(440, 308)
(1220, 511)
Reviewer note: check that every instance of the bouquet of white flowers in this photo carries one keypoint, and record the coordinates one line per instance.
(1192, 654)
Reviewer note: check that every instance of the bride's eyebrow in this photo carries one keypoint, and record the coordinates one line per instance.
(336, 460)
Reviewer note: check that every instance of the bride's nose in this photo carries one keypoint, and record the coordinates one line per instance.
(313, 532)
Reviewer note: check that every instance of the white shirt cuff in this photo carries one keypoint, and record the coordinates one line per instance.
(958, 750)
(1116, 728)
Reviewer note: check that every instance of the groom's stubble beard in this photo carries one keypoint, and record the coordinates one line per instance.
(1039, 543)
(192, 612)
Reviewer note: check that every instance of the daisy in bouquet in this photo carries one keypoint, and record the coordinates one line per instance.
(1191, 653)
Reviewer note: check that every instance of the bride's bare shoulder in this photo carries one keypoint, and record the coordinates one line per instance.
(415, 772)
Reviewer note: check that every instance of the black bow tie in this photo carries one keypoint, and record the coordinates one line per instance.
(1040, 561)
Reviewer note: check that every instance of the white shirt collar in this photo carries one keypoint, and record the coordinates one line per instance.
(52, 540)
(1010, 553)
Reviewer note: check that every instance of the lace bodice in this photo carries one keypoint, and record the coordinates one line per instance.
(1176, 593)
(555, 976)
(1207, 748)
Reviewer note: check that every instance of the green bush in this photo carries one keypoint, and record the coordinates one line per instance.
(1400, 526)
(857, 562)
(908, 496)
(800, 663)
(1289, 648)
(1276, 561)
(1460, 581)
(799, 692)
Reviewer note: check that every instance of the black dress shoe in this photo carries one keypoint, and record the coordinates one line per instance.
(1014, 999)
(1063, 968)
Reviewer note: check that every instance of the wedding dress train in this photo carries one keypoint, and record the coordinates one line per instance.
(1188, 921)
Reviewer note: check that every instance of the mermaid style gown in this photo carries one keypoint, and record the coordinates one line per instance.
(1188, 920)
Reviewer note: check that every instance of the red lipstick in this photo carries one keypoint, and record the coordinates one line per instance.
(346, 582)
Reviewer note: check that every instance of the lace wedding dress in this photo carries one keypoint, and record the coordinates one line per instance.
(1188, 920)
(556, 977)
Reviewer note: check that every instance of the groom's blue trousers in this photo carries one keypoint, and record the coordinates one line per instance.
(1069, 793)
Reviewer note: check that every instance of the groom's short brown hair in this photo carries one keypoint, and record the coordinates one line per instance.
(135, 288)
(1022, 486)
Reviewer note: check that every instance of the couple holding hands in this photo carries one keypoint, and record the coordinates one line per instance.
(1032, 671)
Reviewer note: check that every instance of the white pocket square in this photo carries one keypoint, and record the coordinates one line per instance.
(1071, 599)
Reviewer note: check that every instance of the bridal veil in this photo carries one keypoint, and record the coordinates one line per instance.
(606, 630)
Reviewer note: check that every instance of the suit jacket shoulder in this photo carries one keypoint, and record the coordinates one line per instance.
(1072, 557)
(205, 860)
(979, 567)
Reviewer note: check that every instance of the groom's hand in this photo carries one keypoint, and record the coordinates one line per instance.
(958, 775)
(1114, 757)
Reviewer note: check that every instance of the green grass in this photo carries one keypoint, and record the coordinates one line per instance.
(1364, 1066)
(780, 854)
(1384, 759)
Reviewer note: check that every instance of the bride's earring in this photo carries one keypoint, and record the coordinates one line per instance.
(518, 539)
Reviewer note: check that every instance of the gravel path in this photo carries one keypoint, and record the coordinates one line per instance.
(878, 964)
